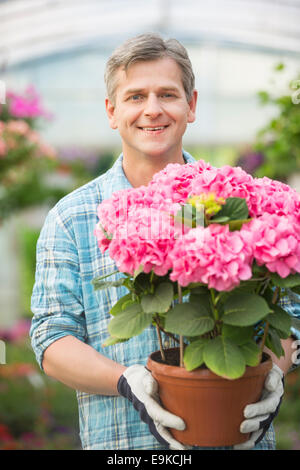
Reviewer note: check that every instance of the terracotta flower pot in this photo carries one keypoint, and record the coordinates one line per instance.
(211, 406)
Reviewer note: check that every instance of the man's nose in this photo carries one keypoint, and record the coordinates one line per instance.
(152, 106)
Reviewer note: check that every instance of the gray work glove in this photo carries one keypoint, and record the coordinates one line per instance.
(137, 385)
(261, 414)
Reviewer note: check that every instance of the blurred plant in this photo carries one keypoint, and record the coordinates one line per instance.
(84, 163)
(17, 332)
(27, 106)
(287, 422)
(250, 161)
(279, 140)
(25, 159)
(27, 240)
(36, 412)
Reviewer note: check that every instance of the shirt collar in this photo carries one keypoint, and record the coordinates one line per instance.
(117, 180)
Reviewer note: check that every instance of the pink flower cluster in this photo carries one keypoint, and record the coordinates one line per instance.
(142, 230)
(16, 133)
(27, 105)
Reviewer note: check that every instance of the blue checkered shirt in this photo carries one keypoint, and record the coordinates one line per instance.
(65, 303)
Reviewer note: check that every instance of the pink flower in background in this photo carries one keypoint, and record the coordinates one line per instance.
(17, 133)
(27, 105)
(3, 148)
(18, 127)
(17, 332)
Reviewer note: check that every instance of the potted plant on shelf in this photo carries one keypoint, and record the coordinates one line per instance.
(206, 254)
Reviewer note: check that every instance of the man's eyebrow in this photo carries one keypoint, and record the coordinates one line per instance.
(141, 90)
(133, 90)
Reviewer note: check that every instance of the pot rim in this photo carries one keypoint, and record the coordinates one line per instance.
(203, 373)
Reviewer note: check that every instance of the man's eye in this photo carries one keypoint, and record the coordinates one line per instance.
(167, 95)
(135, 97)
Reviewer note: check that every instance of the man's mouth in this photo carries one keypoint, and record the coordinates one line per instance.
(153, 129)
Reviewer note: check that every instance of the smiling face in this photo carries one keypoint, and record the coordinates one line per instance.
(151, 110)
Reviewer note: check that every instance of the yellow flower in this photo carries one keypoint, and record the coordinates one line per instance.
(211, 204)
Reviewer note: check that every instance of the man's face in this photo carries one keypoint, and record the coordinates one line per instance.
(151, 111)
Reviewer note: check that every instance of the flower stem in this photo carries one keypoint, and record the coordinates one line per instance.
(264, 340)
(214, 303)
(181, 344)
(162, 352)
(274, 300)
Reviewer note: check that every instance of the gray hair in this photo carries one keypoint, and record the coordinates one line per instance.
(146, 47)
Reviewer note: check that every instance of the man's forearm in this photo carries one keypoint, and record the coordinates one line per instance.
(81, 367)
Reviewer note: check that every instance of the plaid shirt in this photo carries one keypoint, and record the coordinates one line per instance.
(65, 303)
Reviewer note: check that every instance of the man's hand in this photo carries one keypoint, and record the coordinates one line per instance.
(261, 414)
(137, 385)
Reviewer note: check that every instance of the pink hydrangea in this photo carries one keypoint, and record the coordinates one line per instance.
(227, 182)
(214, 256)
(276, 198)
(142, 231)
(174, 181)
(146, 238)
(123, 204)
(276, 243)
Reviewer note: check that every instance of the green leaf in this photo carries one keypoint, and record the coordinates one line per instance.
(219, 220)
(111, 340)
(273, 342)
(279, 66)
(99, 278)
(186, 215)
(187, 320)
(224, 358)
(244, 309)
(193, 354)
(200, 301)
(107, 235)
(107, 284)
(263, 97)
(235, 208)
(198, 288)
(280, 320)
(251, 353)
(118, 307)
(130, 322)
(238, 335)
(142, 283)
(259, 270)
(290, 281)
(138, 271)
(237, 224)
(160, 301)
(296, 289)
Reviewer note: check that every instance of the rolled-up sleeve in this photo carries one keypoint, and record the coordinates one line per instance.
(57, 294)
(291, 303)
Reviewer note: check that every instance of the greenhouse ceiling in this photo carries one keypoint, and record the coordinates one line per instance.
(37, 29)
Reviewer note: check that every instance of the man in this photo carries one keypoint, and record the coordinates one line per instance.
(150, 100)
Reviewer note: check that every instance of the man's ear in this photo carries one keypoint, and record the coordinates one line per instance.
(110, 111)
(192, 105)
